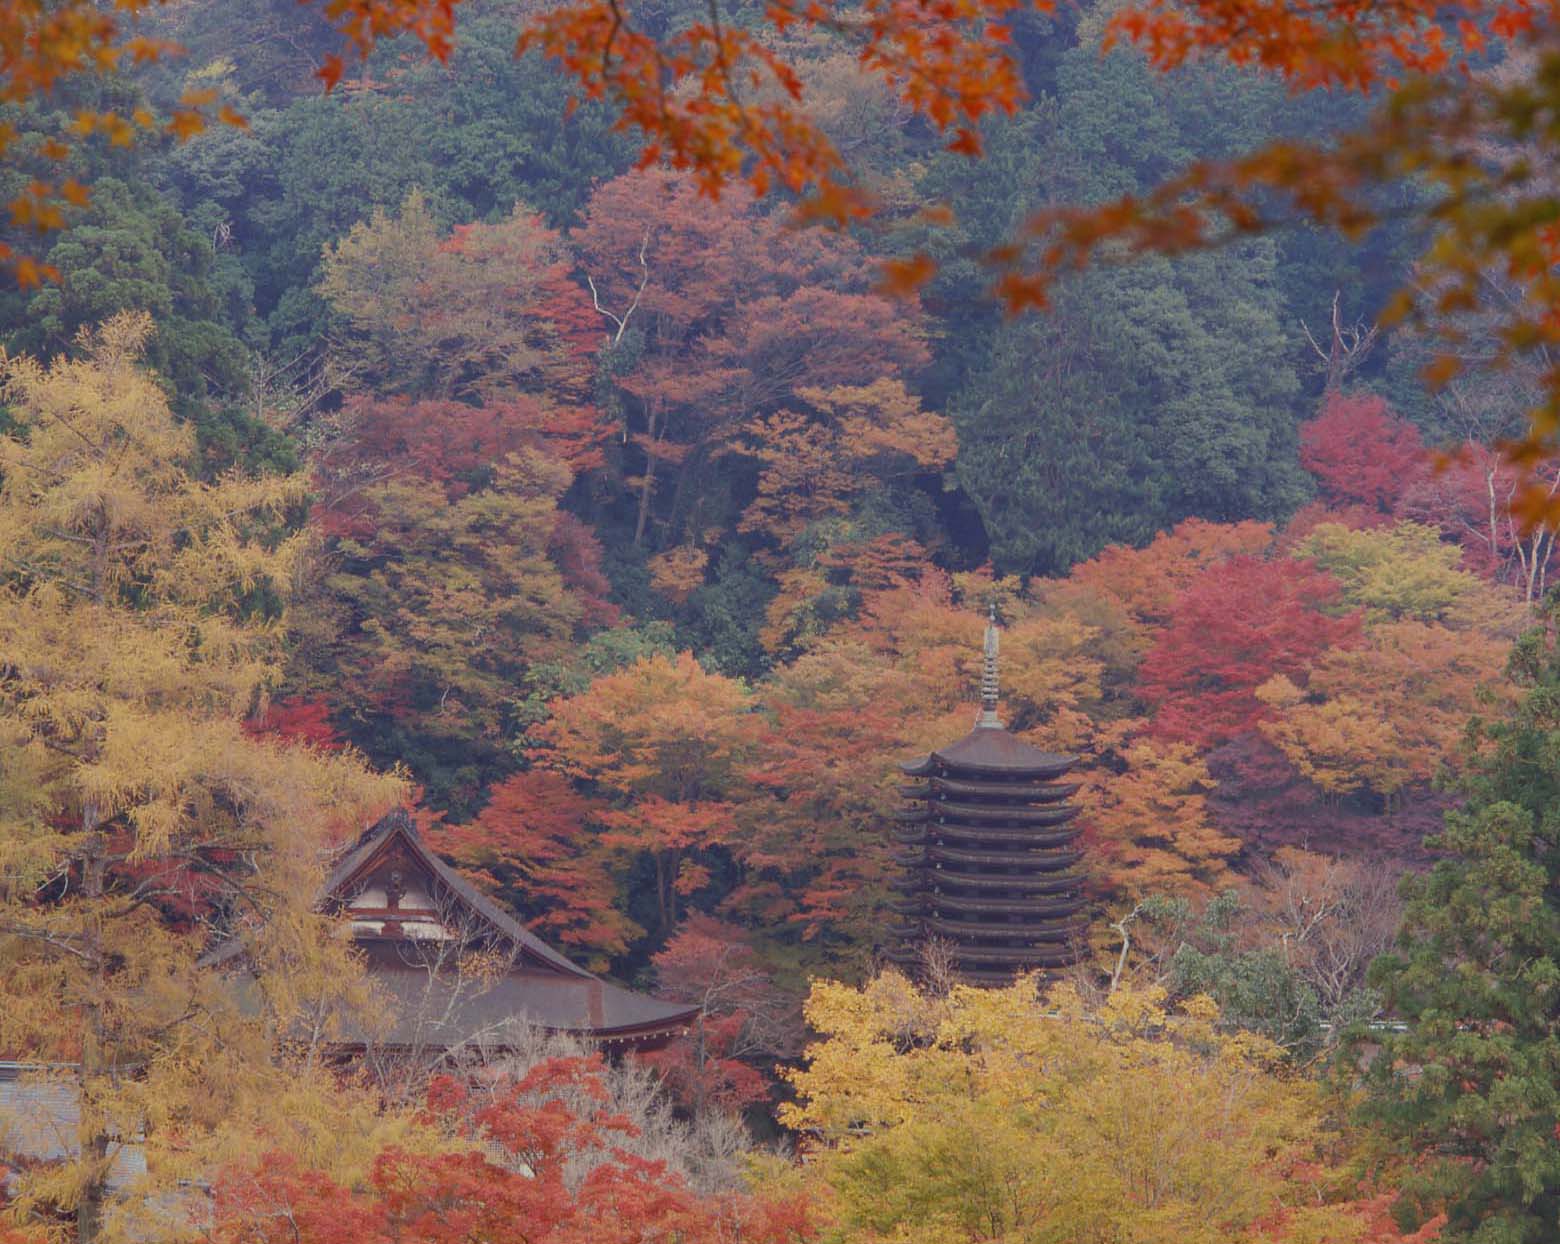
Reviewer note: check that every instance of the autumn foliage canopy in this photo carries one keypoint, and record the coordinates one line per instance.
(723, 100)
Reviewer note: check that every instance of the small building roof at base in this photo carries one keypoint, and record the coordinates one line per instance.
(456, 968)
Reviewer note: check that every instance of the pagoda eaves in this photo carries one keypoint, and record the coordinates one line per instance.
(990, 852)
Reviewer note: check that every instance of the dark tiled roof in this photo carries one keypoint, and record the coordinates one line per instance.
(441, 1010)
(541, 987)
(991, 749)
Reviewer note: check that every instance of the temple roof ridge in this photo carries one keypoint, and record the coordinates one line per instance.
(543, 986)
(398, 823)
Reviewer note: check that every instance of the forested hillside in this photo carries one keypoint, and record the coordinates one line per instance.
(649, 534)
(633, 536)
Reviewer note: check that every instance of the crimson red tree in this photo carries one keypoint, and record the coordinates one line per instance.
(742, 1017)
(1361, 453)
(1235, 627)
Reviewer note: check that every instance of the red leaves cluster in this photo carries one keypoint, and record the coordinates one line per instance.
(518, 1178)
(1372, 466)
(1361, 453)
(297, 720)
(1148, 581)
(528, 841)
(1235, 627)
(712, 963)
(443, 443)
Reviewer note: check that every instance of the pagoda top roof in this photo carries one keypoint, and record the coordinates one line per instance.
(990, 748)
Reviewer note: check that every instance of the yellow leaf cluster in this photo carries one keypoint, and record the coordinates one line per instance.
(1017, 1115)
(1407, 572)
(142, 616)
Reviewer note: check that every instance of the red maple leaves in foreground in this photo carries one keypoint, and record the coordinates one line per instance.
(540, 1158)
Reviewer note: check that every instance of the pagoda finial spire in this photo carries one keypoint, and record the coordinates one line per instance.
(989, 688)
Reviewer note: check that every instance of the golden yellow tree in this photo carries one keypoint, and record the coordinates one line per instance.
(142, 617)
(1012, 1115)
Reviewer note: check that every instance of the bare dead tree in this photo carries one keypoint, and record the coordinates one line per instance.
(654, 429)
(1333, 921)
(1347, 347)
(287, 393)
(1123, 928)
(938, 966)
(639, 292)
(1487, 402)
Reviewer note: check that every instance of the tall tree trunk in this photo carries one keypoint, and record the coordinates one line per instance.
(94, 1071)
(647, 486)
(681, 533)
(663, 890)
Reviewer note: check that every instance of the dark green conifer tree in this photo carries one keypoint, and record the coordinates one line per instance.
(1472, 1086)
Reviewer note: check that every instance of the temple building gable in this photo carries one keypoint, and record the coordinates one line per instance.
(458, 971)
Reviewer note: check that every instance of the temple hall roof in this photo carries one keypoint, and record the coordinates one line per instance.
(420, 923)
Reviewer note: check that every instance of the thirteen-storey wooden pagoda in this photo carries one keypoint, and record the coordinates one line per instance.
(990, 852)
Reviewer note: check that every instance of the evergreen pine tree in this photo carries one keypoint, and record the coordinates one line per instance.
(1472, 1085)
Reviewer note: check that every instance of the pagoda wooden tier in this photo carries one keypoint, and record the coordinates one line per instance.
(990, 854)
(456, 970)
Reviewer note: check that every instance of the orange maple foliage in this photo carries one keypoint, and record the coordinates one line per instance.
(854, 437)
(677, 572)
(1389, 712)
(1149, 827)
(665, 743)
(531, 843)
(814, 840)
(42, 43)
(716, 97)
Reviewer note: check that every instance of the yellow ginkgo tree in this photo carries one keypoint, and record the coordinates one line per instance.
(1017, 1115)
(142, 618)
